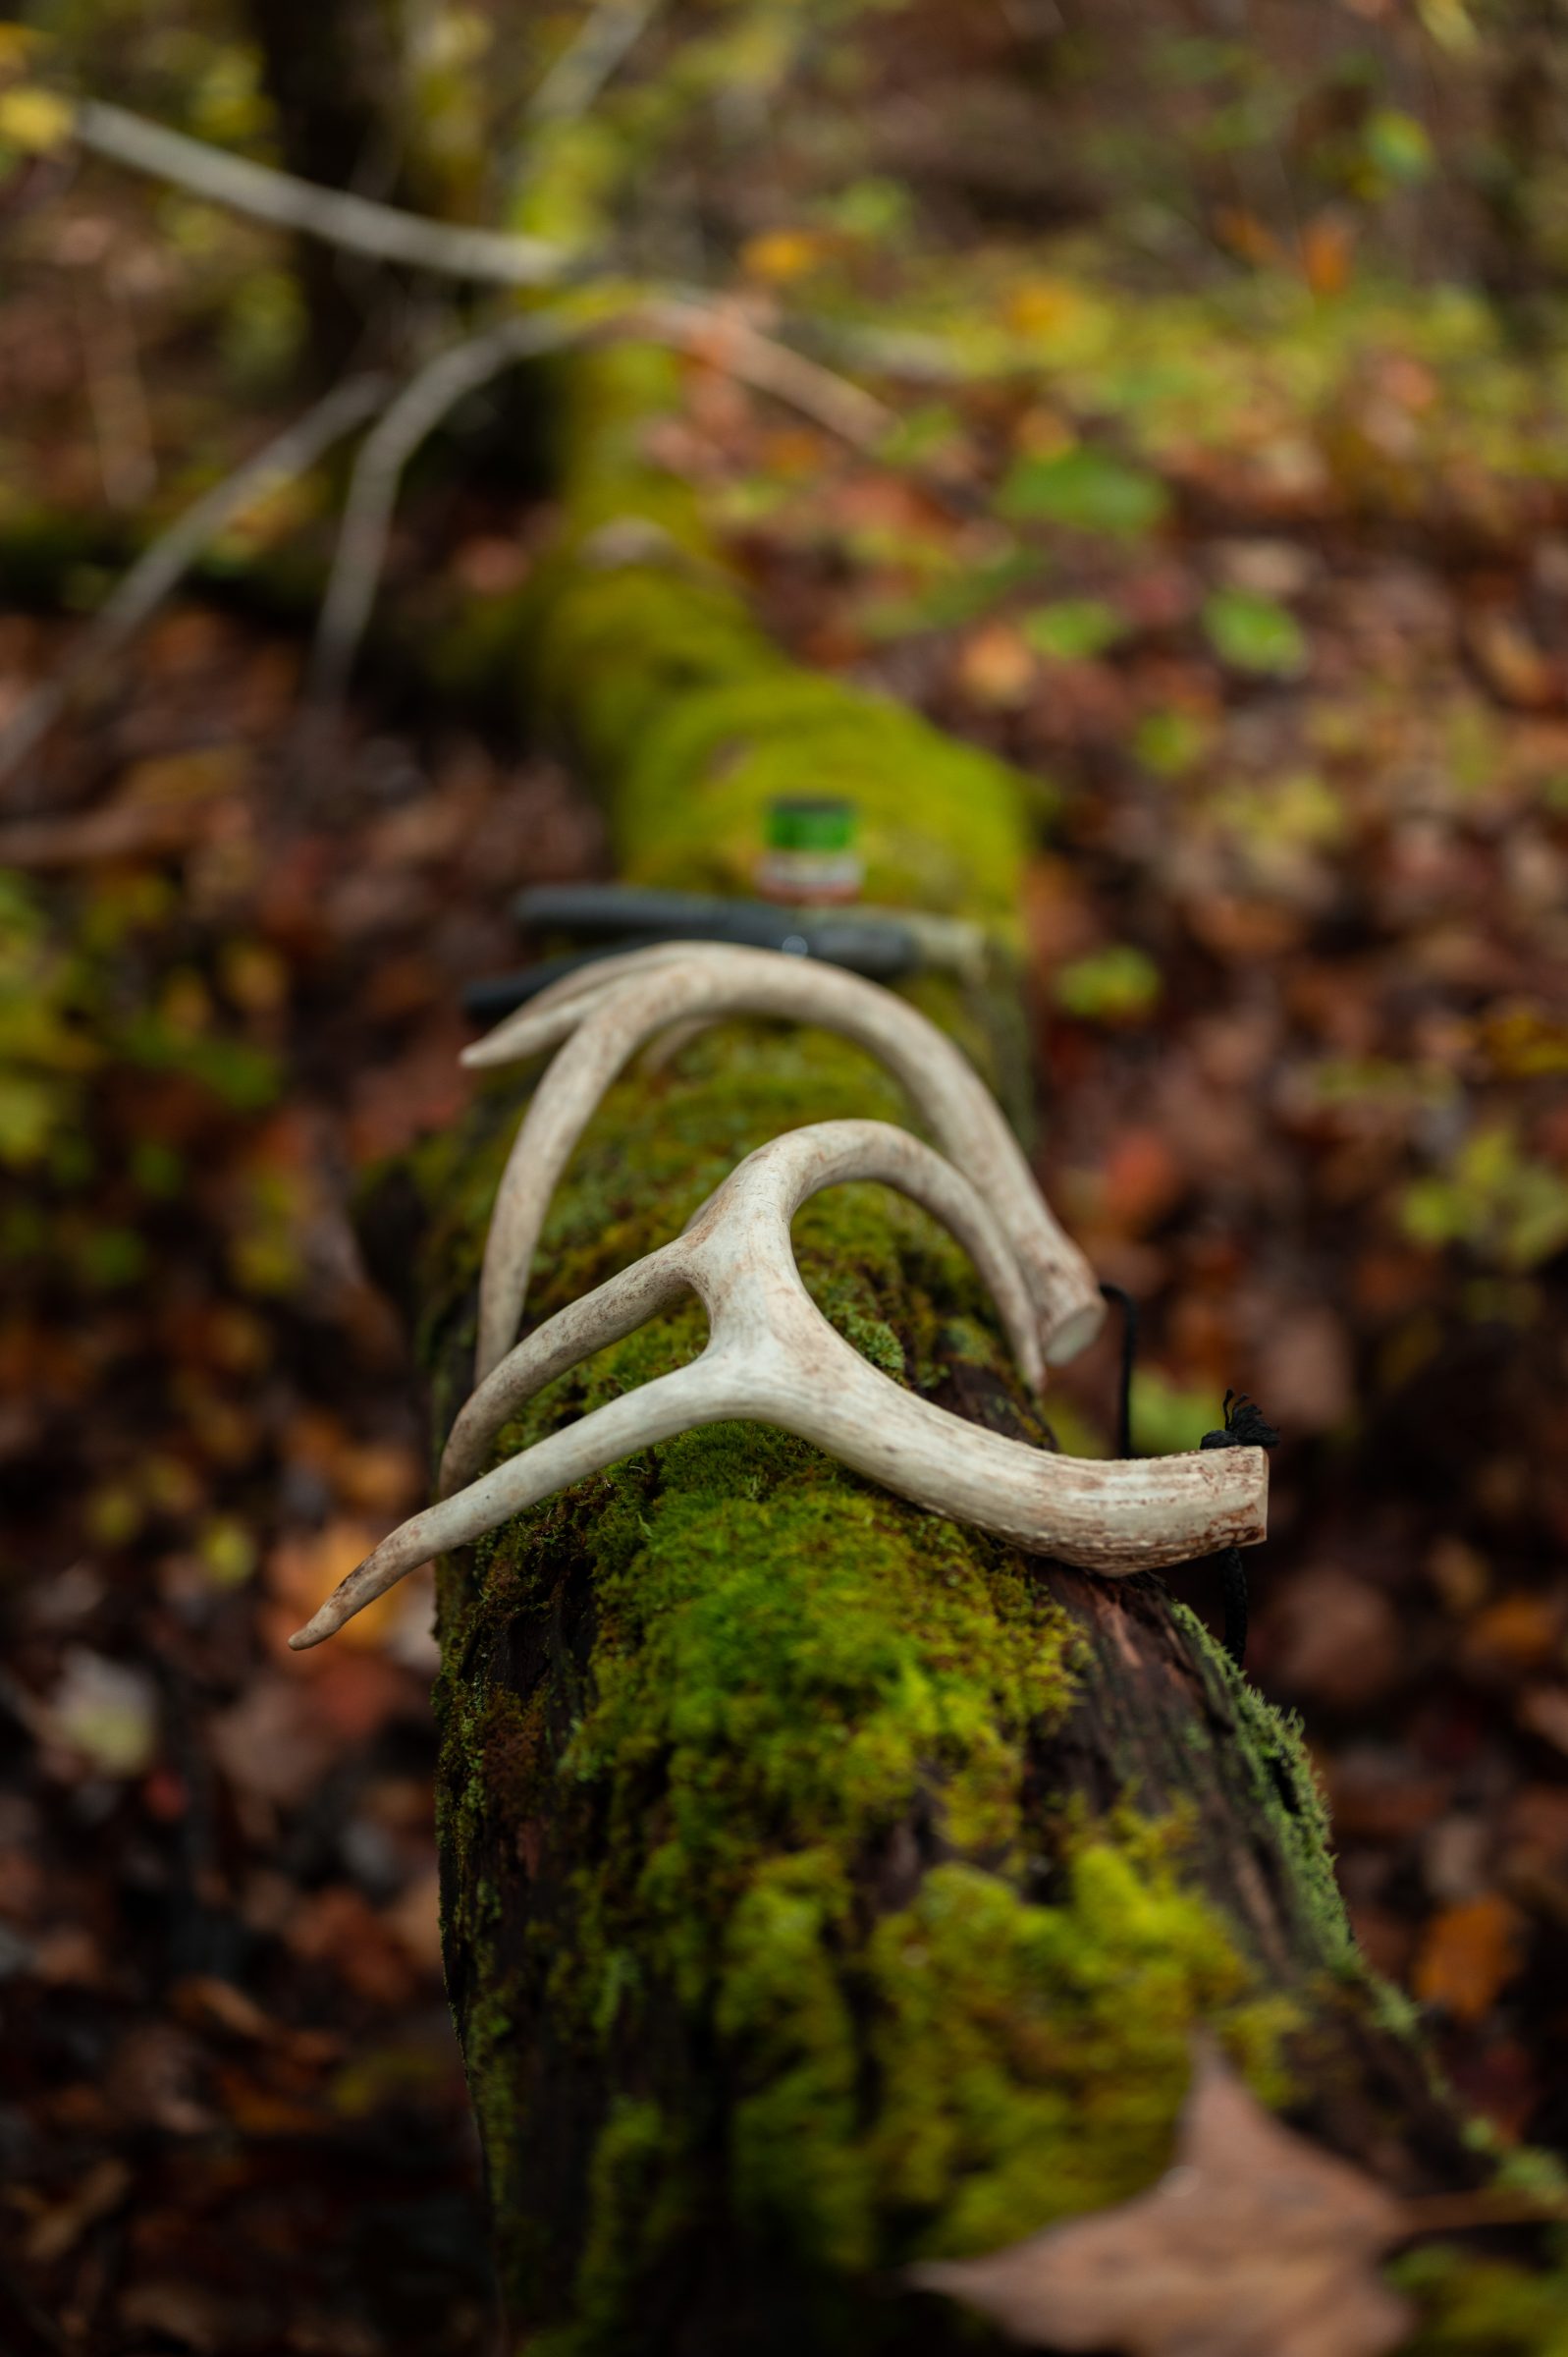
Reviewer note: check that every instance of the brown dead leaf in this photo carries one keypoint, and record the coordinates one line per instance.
(1544, 1710)
(995, 667)
(1338, 1638)
(273, 1744)
(1305, 1371)
(1254, 2243)
(1142, 1180)
(57, 2229)
(1327, 248)
(185, 2314)
(1509, 660)
(1468, 1954)
(338, 1926)
(1521, 1631)
(305, 1567)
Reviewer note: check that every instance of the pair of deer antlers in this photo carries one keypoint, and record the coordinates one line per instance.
(772, 1356)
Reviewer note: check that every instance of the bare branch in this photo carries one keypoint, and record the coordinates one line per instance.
(718, 333)
(366, 525)
(585, 65)
(160, 568)
(701, 329)
(497, 257)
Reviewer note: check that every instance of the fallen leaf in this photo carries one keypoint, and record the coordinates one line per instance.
(1544, 1710)
(273, 1743)
(1467, 1954)
(1254, 2243)
(59, 2229)
(185, 2313)
(1511, 663)
(304, 1568)
(1338, 1638)
(104, 1712)
(1328, 247)
(1522, 1632)
(1305, 1371)
(997, 667)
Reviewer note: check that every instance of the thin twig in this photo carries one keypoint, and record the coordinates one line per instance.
(1488, 2206)
(718, 332)
(702, 329)
(686, 316)
(586, 64)
(500, 257)
(160, 568)
(426, 398)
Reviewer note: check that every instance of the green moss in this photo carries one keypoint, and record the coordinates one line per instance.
(1474, 2307)
(1285, 1795)
(779, 1792)
(942, 826)
(773, 1949)
(1034, 2057)
(645, 657)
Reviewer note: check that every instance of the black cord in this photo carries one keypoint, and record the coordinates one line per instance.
(1245, 1427)
(1129, 1354)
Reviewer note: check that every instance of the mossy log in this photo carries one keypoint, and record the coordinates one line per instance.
(826, 1886)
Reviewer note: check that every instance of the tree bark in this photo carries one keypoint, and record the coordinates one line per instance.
(826, 1886)
(329, 73)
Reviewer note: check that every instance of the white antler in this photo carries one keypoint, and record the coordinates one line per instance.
(773, 1358)
(606, 1011)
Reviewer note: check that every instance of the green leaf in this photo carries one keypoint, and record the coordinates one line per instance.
(1170, 742)
(1165, 1418)
(1072, 627)
(1086, 487)
(1115, 985)
(1399, 146)
(1255, 634)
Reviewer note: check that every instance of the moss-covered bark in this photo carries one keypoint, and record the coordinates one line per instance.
(826, 1885)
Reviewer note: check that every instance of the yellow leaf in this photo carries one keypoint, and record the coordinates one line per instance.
(35, 120)
(1449, 22)
(17, 42)
(1044, 306)
(783, 253)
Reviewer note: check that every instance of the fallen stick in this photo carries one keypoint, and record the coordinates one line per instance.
(435, 389)
(498, 258)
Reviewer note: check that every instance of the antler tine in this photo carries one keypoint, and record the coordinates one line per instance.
(611, 1311)
(772, 1357)
(604, 1026)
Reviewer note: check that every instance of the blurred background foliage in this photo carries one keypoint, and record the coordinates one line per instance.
(1225, 490)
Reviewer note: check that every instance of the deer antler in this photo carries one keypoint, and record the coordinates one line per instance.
(606, 1011)
(773, 1358)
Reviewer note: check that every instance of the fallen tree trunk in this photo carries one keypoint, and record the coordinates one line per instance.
(827, 1887)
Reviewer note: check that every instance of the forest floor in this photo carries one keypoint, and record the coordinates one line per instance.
(1273, 603)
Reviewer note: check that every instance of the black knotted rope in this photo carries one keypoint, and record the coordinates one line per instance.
(1245, 1427)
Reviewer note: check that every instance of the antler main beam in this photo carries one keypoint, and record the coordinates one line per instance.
(773, 1358)
(608, 1011)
